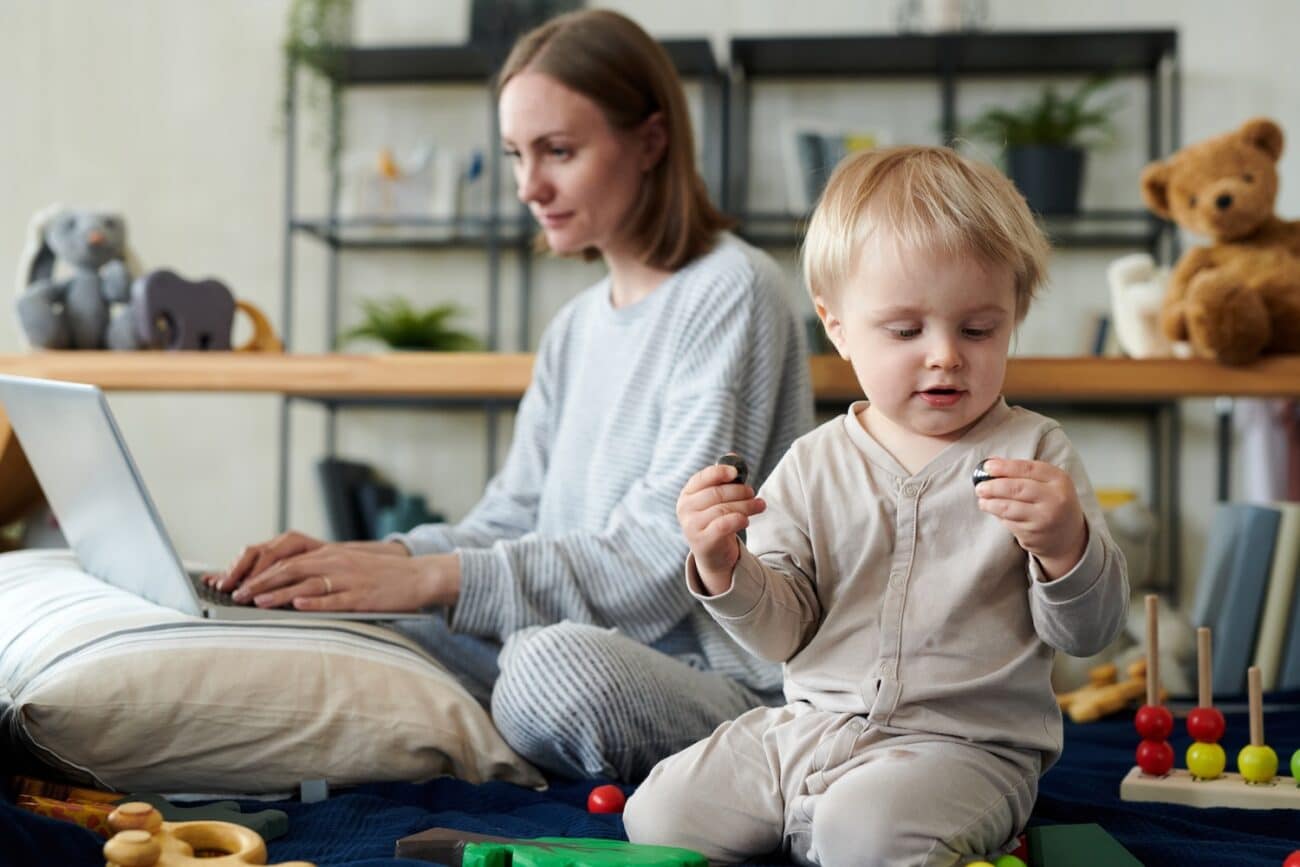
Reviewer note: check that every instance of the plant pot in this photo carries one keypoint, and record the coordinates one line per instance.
(1049, 176)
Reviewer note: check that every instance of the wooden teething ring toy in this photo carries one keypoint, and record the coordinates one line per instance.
(142, 839)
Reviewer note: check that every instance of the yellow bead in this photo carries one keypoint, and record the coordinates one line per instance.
(979, 864)
(1257, 764)
(1206, 761)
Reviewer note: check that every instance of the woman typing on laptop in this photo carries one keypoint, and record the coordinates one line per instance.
(563, 589)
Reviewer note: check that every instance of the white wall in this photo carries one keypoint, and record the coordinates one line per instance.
(169, 110)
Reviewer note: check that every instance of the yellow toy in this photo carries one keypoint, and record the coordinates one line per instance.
(142, 839)
(1105, 694)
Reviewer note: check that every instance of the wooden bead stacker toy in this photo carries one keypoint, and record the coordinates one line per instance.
(1256, 787)
(142, 839)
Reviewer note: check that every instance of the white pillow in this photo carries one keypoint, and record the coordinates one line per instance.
(135, 697)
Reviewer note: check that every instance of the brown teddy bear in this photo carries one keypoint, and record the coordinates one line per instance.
(1240, 296)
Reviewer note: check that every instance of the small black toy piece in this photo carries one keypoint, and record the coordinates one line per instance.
(732, 459)
(981, 474)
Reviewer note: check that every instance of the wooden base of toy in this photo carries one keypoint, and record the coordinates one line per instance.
(1230, 790)
(143, 839)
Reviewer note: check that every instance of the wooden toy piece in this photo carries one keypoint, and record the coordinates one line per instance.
(1104, 696)
(1292, 860)
(1227, 790)
(267, 824)
(462, 848)
(1257, 761)
(1008, 861)
(1154, 722)
(1205, 758)
(1255, 788)
(142, 839)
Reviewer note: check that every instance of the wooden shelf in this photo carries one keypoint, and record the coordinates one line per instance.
(469, 375)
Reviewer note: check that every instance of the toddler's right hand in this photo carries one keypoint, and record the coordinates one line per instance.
(712, 509)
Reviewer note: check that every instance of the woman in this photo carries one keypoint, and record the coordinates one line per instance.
(563, 588)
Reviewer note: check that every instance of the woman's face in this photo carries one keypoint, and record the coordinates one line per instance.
(579, 176)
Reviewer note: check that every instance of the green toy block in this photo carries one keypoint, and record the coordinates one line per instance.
(463, 849)
(1076, 846)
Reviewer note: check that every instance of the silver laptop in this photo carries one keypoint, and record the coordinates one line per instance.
(92, 484)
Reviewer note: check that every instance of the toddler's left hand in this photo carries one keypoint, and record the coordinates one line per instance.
(1037, 502)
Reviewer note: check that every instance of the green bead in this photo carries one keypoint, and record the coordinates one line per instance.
(1295, 767)
(1257, 764)
(1008, 861)
(1206, 761)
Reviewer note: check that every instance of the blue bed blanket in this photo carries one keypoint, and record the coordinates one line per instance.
(358, 828)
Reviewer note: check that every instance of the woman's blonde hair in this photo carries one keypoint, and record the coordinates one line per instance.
(926, 200)
(609, 59)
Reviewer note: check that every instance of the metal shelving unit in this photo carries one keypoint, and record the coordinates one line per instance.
(493, 232)
(947, 59)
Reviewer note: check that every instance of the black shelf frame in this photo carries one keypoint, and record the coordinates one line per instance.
(946, 58)
(494, 232)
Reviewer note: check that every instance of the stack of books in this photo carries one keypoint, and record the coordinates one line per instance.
(1249, 595)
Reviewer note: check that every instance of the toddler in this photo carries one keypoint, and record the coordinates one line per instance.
(916, 615)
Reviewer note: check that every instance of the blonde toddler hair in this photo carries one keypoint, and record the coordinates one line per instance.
(927, 200)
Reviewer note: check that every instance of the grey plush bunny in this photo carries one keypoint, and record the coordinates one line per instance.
(89, 309)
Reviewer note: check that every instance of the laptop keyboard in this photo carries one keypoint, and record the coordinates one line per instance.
(211, 594)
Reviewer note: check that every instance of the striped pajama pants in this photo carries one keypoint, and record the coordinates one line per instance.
(582, 701)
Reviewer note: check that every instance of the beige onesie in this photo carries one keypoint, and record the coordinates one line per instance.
(917, 638)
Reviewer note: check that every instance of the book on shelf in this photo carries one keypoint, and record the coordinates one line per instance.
(812, 150)
(1212, 583)
(1237, 614)
(1279, 609)
(1288, 668)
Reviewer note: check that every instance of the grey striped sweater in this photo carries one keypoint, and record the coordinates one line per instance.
(624, 406)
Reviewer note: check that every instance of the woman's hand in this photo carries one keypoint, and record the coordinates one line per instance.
(1037, 502)
(342, 577)
(256, 559)
(711, 513)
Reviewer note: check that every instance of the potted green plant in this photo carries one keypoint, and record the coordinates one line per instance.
(1045, 142)
(399, 325)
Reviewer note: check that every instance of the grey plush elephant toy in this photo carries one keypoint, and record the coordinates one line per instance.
(89, 306)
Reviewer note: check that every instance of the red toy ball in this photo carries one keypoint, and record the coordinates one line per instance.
(1154, 722)
(1155, 757)
(606, 799)
(1292, 860)
(1206, 724)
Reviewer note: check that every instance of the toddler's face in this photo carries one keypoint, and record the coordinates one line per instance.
(927, 336)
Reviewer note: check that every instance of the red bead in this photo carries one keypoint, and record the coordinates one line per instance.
(1206, 724)
(1155, 757)
(1022, 849)
(1154, 722)
(606, 799)
(1292, 860)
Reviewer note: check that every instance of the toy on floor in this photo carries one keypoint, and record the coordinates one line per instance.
(1255, 787)
(90, 808)
(1104, 695)
(1205, 723)
(1292, 860)
(1004, 861)
(1154, 721)
(142, 839)
(456, 848)
(606, 799)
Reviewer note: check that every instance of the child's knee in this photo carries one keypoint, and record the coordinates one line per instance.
(655, 810)
(849, 831)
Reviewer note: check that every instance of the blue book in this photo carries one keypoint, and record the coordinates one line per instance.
(1212, 584)
(1239, 612)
